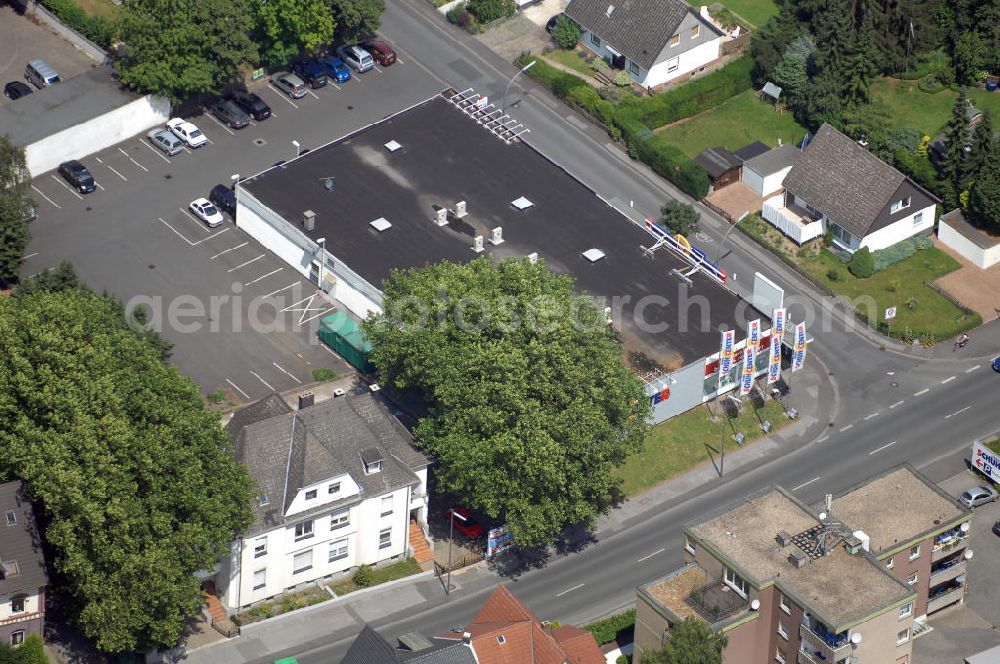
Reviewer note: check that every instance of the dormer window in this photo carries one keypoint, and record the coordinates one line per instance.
(11, 518)
(311, 494)
(334, 488)
(501, 640)
(9, 569)
(372, 458)
(675, 40)
(373, 467)
(901, 204)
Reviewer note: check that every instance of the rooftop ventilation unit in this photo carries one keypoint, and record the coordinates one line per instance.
(477, 245)
(339, 392)
(496, 236)
(522, 203)
(533, 257)
(381, 224)
(797, 557)
(852, 544)
(460, 210)
(783, 538)
(309, 220)
(441, 216)
(593, 255)
(609, 10)
(392, 146)
(374, 387)
(328, 184)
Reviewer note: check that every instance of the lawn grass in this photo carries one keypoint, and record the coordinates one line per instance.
(932, 314)
(754, 12)
(926, 111)
(402, 569)
(571, 58)
(739, 121)
(104, 8)
(678, 445)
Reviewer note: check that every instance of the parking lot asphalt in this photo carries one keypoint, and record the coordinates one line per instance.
(240, 318)
(22, 39)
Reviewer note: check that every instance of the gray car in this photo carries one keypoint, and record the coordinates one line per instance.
(290, 84)
(166, 141)
(978, 495)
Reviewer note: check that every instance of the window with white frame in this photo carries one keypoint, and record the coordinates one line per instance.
(906, 610)
(260, 547)
(338, 549)
(634, 68)
(918, 218)
(782, 629)
(673, 64)
(303, 530)
(689, 545)
(333, 488)
(340, 519)
(901, 204)
(914, 551)
(890, 562)
(594, 39)
(779, 656)
(302, 561)
(736, 582)
(17, 638)
(17, 604)
(912, 579)
(903, 637)
(784, 603)
(695, 31)
(386, 505)
(259, 579)
(311, 494)
(385, 538)
(675, 40)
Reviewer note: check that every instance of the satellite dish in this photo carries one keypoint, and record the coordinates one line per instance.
(328, 183)
(964, 527)
(822, 516)
(855, 638)
(969, 554)
(754, 604)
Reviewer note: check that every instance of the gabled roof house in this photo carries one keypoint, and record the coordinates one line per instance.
(839, 185)
(22, 567)
(655, 41)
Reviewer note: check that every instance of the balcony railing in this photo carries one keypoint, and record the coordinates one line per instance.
(823, 648)
(946, 548)
(795, 222)
(945, 599)
(948, 571)
(716, 601)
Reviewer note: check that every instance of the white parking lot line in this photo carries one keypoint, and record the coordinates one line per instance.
(286, 373)
(206, 239)
(179, 234)
(263, 381)
(843, 429)
(263, 276)
(252, 260)
(155, 151)
(323, 309)
(112, 169)
(39, 192)
(315, 96)
(291, 285)
(216, 121)
(239, 246)
(281, 94)
(200, 224)
(138, 164)
(100, 186)
(68, 188)
(335, 85)
(377, 69)
(235, 387)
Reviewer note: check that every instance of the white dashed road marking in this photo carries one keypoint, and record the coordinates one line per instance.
(898, 403)
(804, 484)
(882, 448)
(957, 412)
(650, 555)
(947, 380)
(843, 429)
(569, 590)
(31, 255)
(923, 391)
(871, 416)
(971, 369)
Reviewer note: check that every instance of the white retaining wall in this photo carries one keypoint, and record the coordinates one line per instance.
(97, 133)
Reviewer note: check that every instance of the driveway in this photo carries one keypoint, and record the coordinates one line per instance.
(22, 39)
(974, 288)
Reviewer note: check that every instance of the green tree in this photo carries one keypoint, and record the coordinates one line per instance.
(984, 197)
(50, 279)
(862, 263)
(182, 48)
(860, 64)
(969, 56)
(491, 10)
(982, 142)
(8, 655)
(689, 642)
(32, 651)
(678, 217)
(566, 32)
(791, 74)
(284, 28)
(529, 405)
(357, 18)
(953, 165)
(16, 208)
(128, 468)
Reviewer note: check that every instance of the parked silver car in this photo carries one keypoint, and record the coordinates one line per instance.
(290, 84)
(978, 495)
(166, 141)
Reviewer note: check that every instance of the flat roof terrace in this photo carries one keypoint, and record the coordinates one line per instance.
(444, 157)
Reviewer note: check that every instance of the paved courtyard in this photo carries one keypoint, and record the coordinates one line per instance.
(976, 289)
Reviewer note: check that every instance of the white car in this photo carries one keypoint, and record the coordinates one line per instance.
(187, 132)
(204, 210)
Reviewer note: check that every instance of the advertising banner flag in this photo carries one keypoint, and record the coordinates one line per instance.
(774, 367)
(498, 540)
(778, 322)
(726, 353)
(750, 357)
(799, 347)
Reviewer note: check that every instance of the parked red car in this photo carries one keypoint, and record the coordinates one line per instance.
(464, 523)
(381, 51)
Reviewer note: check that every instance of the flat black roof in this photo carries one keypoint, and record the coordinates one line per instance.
(447, 157)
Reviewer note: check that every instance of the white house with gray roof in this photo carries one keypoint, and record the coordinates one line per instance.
(839, 185)
(339, 482)
(22, 567)
(655, 41)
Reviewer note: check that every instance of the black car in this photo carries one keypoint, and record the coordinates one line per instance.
(16, 90)
(312, 72)
(231, 114)
(223, 198)
(253, 105)
(78, 176)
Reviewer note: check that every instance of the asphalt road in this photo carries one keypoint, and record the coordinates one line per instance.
(240, 318)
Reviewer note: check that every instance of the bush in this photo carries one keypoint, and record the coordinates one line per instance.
(607, 630)
(455, 12)
(900, 251)
(217, 397)
(862, 264)
(486, 11)
(95, 28)
(833, 275)
(566, 33)
(323, 374)
(32, 651)
(364, 577)
(622, 78)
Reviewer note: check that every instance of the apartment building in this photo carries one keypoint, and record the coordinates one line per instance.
(849, 582)
(22, 568)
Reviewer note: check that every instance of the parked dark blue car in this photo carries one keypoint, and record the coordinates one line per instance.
(337, 69)
(312, 72)
(996, 364)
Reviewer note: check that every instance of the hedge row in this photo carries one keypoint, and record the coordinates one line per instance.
(95, 28)
(668, 161)
(900, 251)
(607, 630)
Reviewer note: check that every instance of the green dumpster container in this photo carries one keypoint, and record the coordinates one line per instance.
(341, 333)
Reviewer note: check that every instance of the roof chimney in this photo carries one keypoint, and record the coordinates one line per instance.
(309, 220)
(306, 399)
(466, 637)
(783, 538)
(797, 557)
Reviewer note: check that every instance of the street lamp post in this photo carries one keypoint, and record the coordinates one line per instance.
(511, 81)
(235, 177)
(298, 149)
(321, 243)
(451, 536)
(718, 256)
